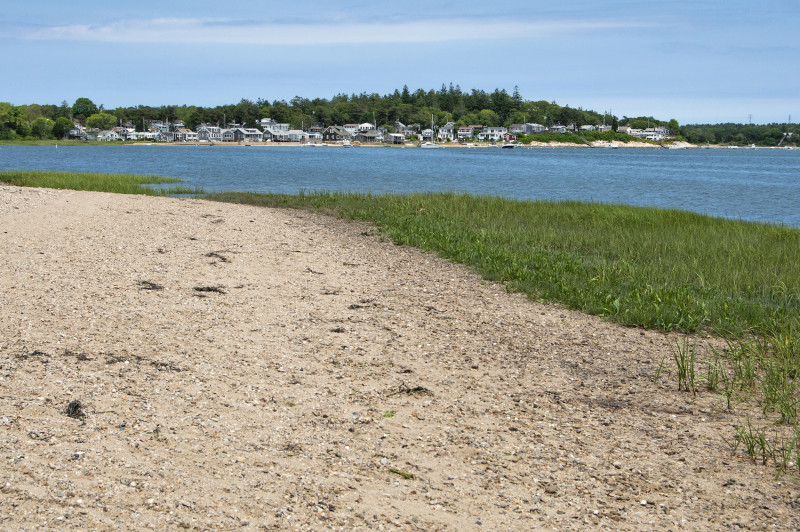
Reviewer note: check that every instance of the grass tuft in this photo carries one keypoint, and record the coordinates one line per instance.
(116, 183)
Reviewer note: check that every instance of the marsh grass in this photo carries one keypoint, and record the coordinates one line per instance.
(779, 448)
(660, 269)
(117, 183)
(685, 361)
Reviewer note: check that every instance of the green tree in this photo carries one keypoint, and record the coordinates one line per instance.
(61, 127)
(674, 127)
(42, 128)
(101, 121)
(83, 108)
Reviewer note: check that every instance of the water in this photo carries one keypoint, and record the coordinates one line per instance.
(755, 185)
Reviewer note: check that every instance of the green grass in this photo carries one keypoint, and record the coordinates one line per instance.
(613, 136)
(653, 268)
(118, 183)
(551, 137)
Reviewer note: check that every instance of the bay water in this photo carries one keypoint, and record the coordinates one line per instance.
(760, 185)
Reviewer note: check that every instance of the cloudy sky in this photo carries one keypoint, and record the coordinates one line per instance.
(698, 61)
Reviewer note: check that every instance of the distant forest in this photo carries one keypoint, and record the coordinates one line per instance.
(449, 103)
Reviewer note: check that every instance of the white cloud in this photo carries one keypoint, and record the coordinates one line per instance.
(222, 31)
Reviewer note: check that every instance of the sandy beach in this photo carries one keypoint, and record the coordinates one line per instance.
(183, 364)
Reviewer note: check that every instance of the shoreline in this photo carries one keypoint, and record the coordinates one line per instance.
(234, 366)
(599, 144)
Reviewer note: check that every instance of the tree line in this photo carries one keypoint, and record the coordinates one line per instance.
(449, 103)
(742, 134)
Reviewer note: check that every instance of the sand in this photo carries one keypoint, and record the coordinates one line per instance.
(183, 364)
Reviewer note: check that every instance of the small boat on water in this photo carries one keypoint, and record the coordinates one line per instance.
(429, 145)
(611, 146)
(508, 146)
(346, 144)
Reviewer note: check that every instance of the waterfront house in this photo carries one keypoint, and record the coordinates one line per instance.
(296, 135)
(526, 129)
(446, 132)
(467, 132)
(427, 134)
(209, 133)
(158, 126)
(493, 133)
(143, 135)
(533, 128)
(352, 128)
(108, 136)
(405, 130)
(241, 134)
(370, 137)
(77, 132)
(336, 134)
(185, 135)
(269, 123)
(558, 128)
(277, 135)
(395, 138)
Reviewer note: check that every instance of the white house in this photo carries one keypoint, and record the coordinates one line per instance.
(143, 135)
(352, 128)
(185, 135)
(268, 123)
(467, 132)
(108, 136)
(493, 133)
(447, 132)
(296, 135)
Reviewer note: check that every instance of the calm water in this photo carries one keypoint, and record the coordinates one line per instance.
(756, 185)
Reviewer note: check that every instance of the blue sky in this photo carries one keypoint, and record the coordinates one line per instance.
(698, 61)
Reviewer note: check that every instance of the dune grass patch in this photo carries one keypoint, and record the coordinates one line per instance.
(117, 183)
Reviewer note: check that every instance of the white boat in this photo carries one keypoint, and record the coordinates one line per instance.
(431, 144)
(508, 146)
(611, 146)
(346, 144)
